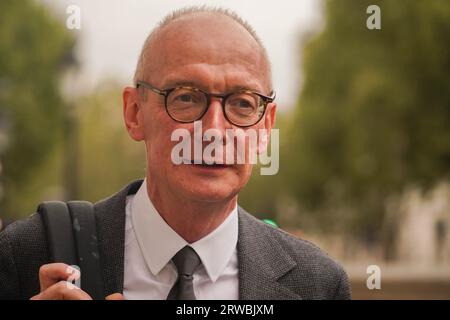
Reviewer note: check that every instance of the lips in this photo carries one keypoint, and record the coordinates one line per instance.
(213, 164)
(203, 164)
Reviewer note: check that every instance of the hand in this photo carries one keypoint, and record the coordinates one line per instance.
(54, 284)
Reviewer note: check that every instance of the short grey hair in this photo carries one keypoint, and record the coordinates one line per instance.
(143, 57)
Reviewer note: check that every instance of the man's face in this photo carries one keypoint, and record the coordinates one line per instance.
(214, 54)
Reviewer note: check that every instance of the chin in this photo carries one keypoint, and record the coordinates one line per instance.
(199, 184)
(212, 196)
(208, 190)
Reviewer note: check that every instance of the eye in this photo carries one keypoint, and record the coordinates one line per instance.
(186, 97)
(242, 102)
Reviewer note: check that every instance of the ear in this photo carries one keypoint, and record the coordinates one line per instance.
(132, 113)
(269, 122)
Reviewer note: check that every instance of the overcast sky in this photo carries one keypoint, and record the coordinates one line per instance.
(113, 31)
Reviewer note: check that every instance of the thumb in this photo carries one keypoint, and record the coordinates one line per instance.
(115, 296)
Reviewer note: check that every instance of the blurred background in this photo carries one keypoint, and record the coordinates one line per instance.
(364, 119)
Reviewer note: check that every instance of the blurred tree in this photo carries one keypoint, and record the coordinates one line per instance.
(34, 47)
(374, 113)
(262, 193)
(108, 158)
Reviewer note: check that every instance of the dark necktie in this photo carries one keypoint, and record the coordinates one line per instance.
(186, 260)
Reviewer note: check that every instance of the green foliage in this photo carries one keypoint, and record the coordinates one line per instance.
(261, 194)
(108, 158)
(374, 112)
(34, 46)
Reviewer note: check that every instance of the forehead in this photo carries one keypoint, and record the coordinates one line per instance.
(206, 40)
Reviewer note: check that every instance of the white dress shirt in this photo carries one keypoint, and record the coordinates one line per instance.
(150, 244)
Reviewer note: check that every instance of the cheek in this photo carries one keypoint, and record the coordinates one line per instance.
(158, 130)
(244, 172)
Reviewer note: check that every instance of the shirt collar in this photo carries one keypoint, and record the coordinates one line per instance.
(159, 242)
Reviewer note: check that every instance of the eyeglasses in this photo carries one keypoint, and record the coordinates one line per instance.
(243, 108)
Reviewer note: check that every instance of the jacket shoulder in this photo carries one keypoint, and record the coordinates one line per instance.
(325, 277)
(23, 250)
(328, 276)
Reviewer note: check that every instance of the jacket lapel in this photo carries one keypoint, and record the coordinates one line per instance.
(110, 220)
(262, 262)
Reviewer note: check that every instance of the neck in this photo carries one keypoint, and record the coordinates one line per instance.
(191, 219)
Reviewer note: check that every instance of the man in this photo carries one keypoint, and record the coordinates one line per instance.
(180, 234)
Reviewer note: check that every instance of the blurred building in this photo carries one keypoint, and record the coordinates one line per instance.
(423, 235)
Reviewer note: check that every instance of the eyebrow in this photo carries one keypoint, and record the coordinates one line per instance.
(184, 83)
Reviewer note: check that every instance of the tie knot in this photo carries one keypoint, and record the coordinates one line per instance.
(186, 260)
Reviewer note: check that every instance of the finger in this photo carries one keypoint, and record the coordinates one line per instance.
(115, 296)
(52, 273)
(62, 290)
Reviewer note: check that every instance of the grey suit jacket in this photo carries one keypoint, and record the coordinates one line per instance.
(272, 263)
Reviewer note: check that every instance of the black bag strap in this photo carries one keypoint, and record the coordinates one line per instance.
(72, 238)
(58, 224)
(85, 235)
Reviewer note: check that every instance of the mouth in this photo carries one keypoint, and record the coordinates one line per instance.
(213, 165)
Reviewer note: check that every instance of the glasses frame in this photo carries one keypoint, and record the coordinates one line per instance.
(266, 100)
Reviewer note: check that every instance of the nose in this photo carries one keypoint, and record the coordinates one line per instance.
(214, 117)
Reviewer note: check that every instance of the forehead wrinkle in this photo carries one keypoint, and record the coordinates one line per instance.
(210, 51)
(212, 79)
